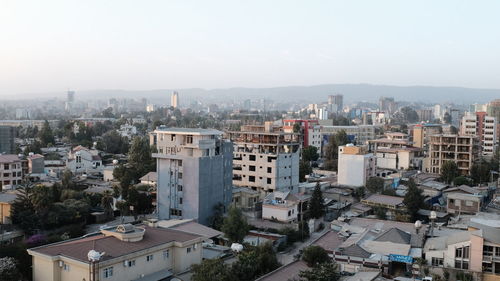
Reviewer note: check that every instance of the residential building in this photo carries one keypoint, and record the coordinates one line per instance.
(420, 133)
(194, 169)
(265, 158)
(476, 251)
(6, 200)
(384, 201)
(310, 132)
(493, 110)
(424, 115)
(150, 178)
(36, 164)
(245, 198)
(11, 173)
(125, 252)
(174, 100)
(387, 105)
(462, 203)
(396, 152)
(355, 165)
(127, 130)
(280, 206)
(336, 102)
(484, 128)
(7, 135)
(463, 150)
(359, 134)
(82, 160)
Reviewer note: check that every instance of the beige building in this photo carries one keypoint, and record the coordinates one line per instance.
(396, 152)
(280, 206)
(11, 173)
(126, 252)
(462, 150)
(484, 128)
(6, 200)
(265, 158)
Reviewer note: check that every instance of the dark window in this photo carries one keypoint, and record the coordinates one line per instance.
(269, 159)
(497, 268)
(180, 200)
(269, 170)
(189, 139)
(251, 168)
(179, 187)
(458, 252)
(180, 175)
(487, 250)
(269, 181)
(251, 157)
(251, 178)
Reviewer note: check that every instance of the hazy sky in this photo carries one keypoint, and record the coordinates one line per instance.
(49, 46)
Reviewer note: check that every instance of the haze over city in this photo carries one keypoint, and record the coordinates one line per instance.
(52, 46)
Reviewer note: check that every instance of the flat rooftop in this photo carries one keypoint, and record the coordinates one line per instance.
(188, 131)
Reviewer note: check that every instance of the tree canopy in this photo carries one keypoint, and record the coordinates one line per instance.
(235, 225)
(449, 171)
(316, 204)
(375, 184)
(414, 200)
(315, 255)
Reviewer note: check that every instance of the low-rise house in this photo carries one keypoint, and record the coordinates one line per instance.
(396, 152)
(280, 206)
(36, 164)
(355, 165)
(125, 252)
(245, 198)
(258, 238)
(6, 200)
(463, 203)
(150, 179)
(10, 171)
(384, 201)
(82, 160)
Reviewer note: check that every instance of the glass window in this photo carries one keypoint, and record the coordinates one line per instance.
(189, 139)
(166, 254)
(188, 250)
(487, 267)
(108, 272)
(149, 258)
(487, 250)
(131, 263)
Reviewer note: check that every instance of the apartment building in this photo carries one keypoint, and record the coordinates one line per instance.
(360, 134)
(355, 165)
(462, 203)
(7, 135)
(396, 152)
(266, 158)
(484, 127)
(11, 173)
(125, 252)
(310, 132)
(420, 133)
(463, 150)
(194, 169)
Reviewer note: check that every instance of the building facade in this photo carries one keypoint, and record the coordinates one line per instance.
(355, 165)
(174, 100)
(265, 158)
(309, 129)
(7, 135)
(82, 160)
(484, 127)
(11, 172)
(194, 169)
(463, 150)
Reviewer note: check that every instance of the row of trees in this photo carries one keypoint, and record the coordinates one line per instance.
(480, 172)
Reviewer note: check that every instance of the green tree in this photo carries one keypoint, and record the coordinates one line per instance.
(480, 172)
(375, 184)
(46, 135)
(447, 118)
(217, 219)
(310, 153)
(235, 226)
(107, 204)
(409, 114)
(316, 204)
(254, 263)
(332, 149)
(140, 159)
(304, 169)
(67, 180)
(211, 270)
(35, 147)
(113, 142)
(8, 269)
(414, 200)
(449, 171)
(324, 272)
(461, 180)
(315, 255)
(381, 213)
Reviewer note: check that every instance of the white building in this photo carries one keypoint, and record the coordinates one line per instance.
(281, 206)
(82, 160)
(484, 127)
(355, 165)
(11, 172)
(265, 158)
(127, 130)
(194, 170)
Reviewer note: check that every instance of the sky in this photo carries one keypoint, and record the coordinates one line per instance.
(52, 46)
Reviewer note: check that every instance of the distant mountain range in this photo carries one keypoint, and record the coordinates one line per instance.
(309, 94)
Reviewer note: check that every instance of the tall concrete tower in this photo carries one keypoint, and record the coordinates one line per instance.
(174, 100)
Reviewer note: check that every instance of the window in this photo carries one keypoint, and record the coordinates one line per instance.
(465, 253)
(179, 187)
(289, 213)
(458, 252)
(269, 180)
(166, 254)
(149, 258)
(487, 267)
(66, 267)
(5, 166)
(487, 250)
(188, 250)
(180, 163)
(251, 168)
(452, 201)
(131, 263)
(172, 137)
(108, 272)
(189, 139)
(180, 200)
(251, 157)
(461, 264)
(251, 178)
(468, 203)
(497, 251)
(497, 268)
(437, 262)
(269, 170)
(179, 175)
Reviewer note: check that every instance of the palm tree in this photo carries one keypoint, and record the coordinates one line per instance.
(107, 204)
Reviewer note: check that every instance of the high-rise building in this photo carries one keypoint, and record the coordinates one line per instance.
(424, 115)
(387, 105)
(70, 99)
(493, 110)
(484, 127)
(265, 158)
(463, 150)
(7, 135)
(174, 100)
(336, 102)
(194, 168)
(309, 131)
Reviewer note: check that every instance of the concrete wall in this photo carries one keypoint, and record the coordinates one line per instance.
(280, 212)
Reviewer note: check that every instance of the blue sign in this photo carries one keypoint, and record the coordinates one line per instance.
(400, 258)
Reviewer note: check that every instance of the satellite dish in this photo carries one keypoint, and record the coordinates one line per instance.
(94, 255)
(433, 215)
(237, 247)
(418, 224)
(115, 162)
